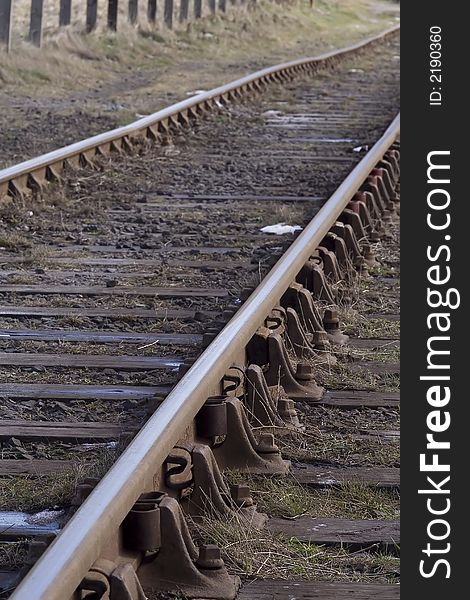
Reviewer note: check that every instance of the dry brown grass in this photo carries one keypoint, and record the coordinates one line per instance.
(13, 554)
(271, 33)
(26, 493)
(13, 240)
(264, 555)
(254, 553)
(284, 497)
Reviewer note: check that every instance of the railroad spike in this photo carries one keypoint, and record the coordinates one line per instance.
(354, 252)
(358, 204)
(337, 263)
(212, 496)
(241, 451)
(313, 278)
(304, 345)
(211, 420)
(331, 324)
(124, 584)
(113, 582)
(267, 407)
(333, 261)
(351, 217)
(181, 565)
(369, 257)
(295, 297)
(281, 372)
(276, 319)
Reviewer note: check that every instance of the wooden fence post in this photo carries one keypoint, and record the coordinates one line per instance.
(91, 14)
(184, 7)
(211, 4)
(168, 13)
(152, 11)
(35, 23)
(197, 9)
(112, 14)
(5, 24)
(65, 12)
(133, 11)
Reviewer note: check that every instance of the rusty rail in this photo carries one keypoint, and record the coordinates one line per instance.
(62, 567)
(36, 172)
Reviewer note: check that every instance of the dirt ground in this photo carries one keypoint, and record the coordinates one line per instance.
(78, 85)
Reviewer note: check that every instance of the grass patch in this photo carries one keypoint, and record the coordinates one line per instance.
(282, 497)
(70, 60)
(384, 354)
(351, 420)
(13, 555)
(27, 493)
(339, 449)
(14, 241)
(343, 376)
(264, 555)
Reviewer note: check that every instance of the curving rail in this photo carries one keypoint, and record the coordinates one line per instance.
(38, 171)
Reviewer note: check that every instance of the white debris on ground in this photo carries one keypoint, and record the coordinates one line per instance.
(96, 445)
(281, 229)
(361, 149)
(271, 113)
(46, 519)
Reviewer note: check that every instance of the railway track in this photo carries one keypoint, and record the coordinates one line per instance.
(117, 276)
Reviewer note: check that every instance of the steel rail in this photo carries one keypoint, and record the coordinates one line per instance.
(140, 127)
(61, 568)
